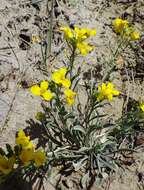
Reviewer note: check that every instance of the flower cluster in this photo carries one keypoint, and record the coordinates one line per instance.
(24, 141)
(28, 152)
(69, 96)
(77, 36)
(106, 91)
(60, 79)
(24, 157)
(122, 27)
(42, 90)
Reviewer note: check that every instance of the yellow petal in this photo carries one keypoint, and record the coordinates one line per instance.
(63, 71)
(84, 48)
(110, 97)
(106, 91)
(93, 32)
(116, 92)
(59, 76)
(103, 87)
(69, 93)
(29, 146)
(70, 101)
(135, 35)
(21, 133)
(26, 156)
(68, 32)
(22, 139)
(119, 25)
(110, 85)
(66, 83)
(39, 158)
(6, 165)
(36, 90)
(142, 106)
(44, 85)
(56, 77)
(47, 95)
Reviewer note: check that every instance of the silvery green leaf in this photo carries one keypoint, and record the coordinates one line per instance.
(85, 180)
(110, 165)
(35, 1)
(79, 164)
(104, 175)
(50, 125)
(70, 116)
(83, 149)
(98, 181)
(78, 128)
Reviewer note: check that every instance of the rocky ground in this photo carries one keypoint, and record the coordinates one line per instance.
(20, 60)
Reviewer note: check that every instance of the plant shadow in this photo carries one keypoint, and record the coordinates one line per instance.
(37, 131)
(16, 184)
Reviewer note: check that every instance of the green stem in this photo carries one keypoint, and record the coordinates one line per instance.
(50, 28)
(43, 56)
(72, 59)
(49, 34)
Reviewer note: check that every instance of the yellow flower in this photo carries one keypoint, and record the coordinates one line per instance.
(35, 39)
(135, 35)
(84, 48)
(68, 32)
(77, 36)
(42, 91)
(6, 165)
(29, 146)
(142, 107)
(120, 25)
(26, 157)
(83, 33)
(39, 158)
(24, 140)
(59, 77)
(106, 92)
(70, 96)
(77, 33)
